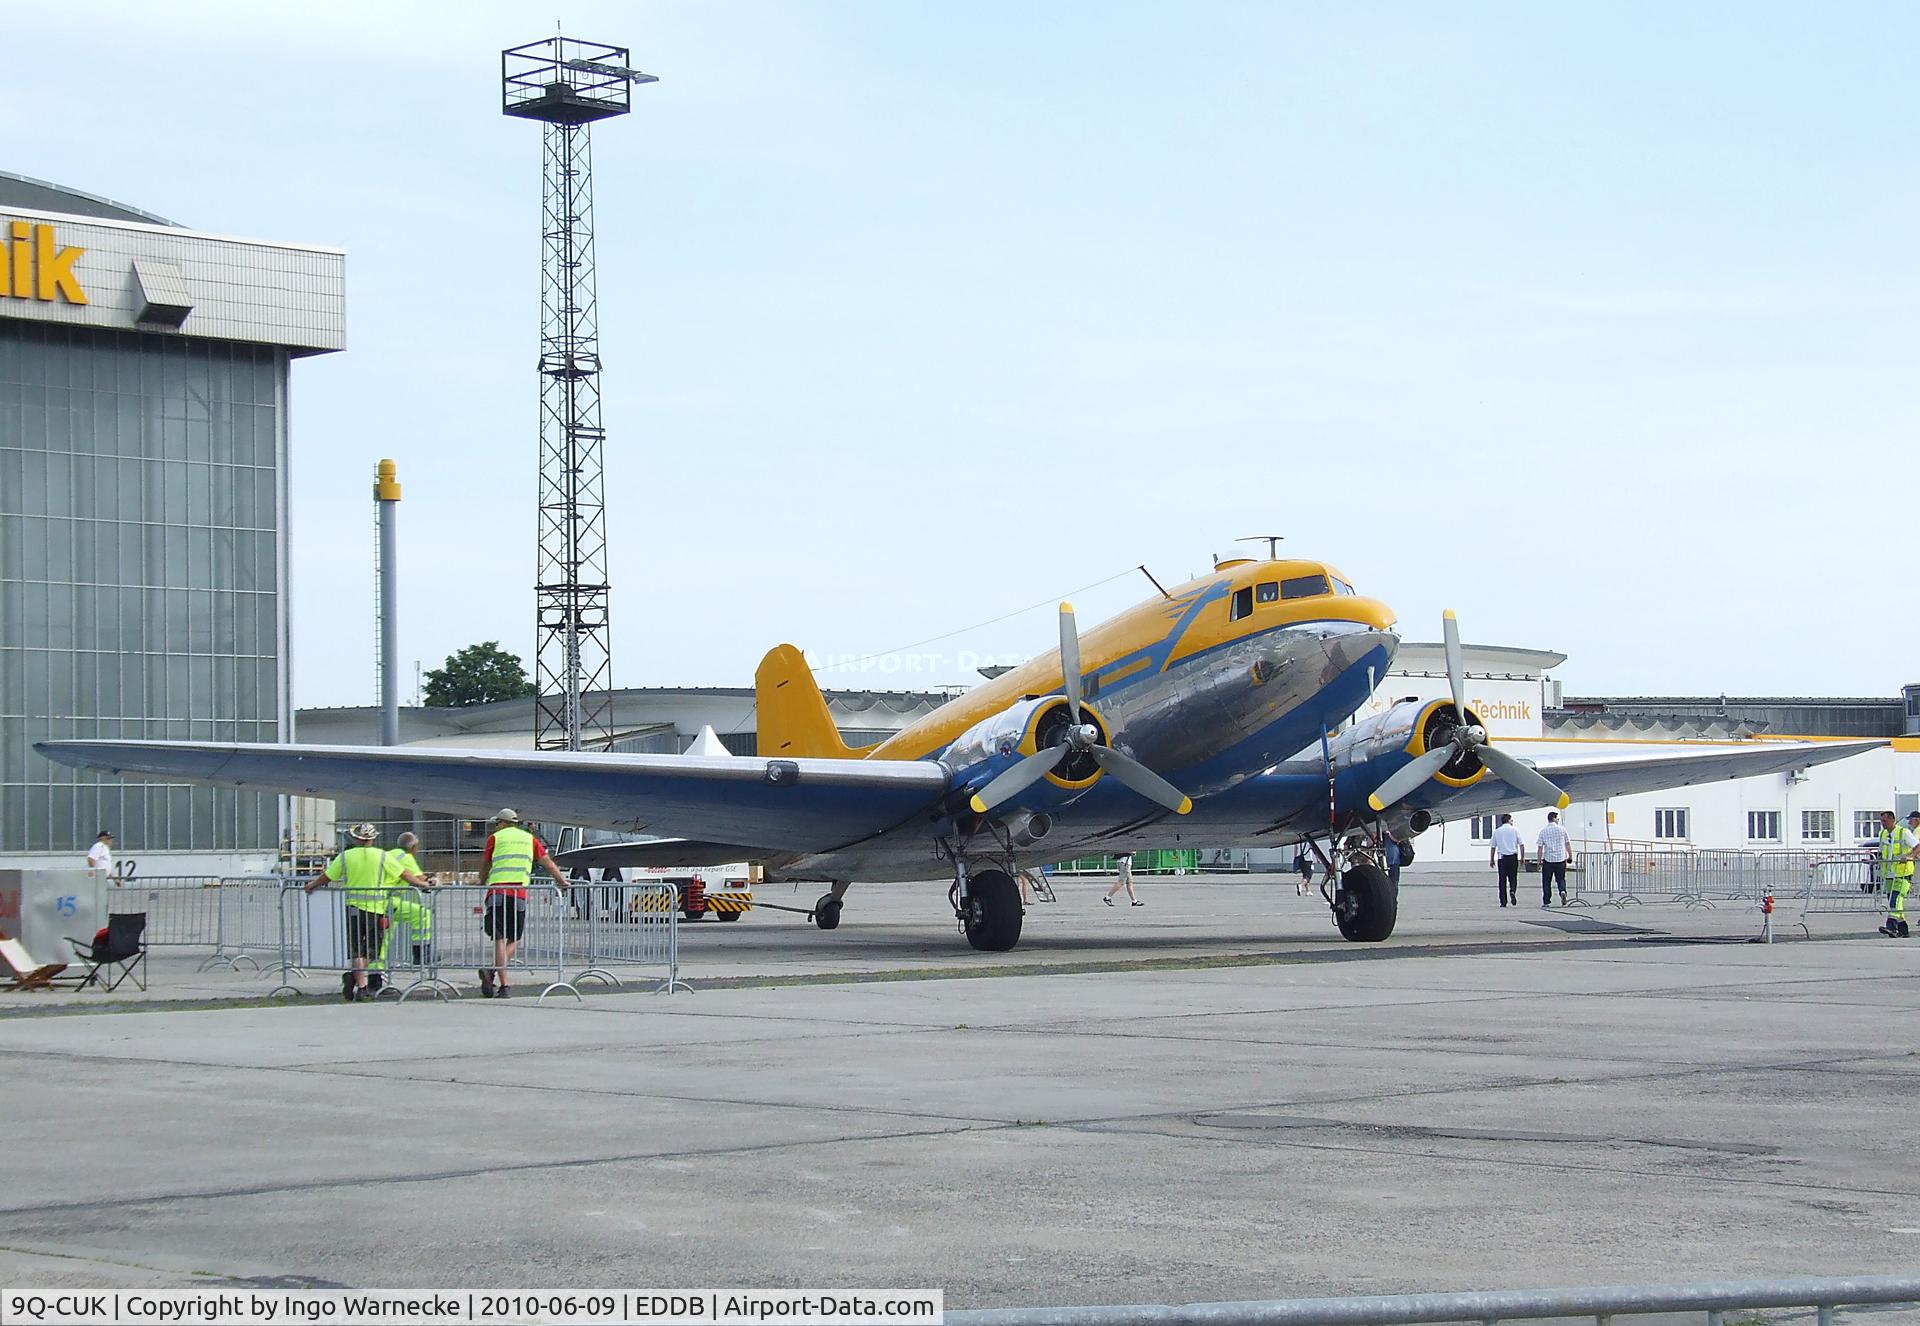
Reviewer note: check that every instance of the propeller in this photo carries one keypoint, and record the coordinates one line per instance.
(1079, 738)
(1464, 738)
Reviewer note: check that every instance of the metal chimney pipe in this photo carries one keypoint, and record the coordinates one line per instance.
(386, 496)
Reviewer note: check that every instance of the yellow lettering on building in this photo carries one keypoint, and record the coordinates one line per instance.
(54, 268)
(37, 266)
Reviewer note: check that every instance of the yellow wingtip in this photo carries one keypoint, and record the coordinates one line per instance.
(1376, 802)
(979, 806)
(1185, 807)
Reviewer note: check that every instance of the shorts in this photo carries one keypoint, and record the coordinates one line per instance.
(363, 933)
(506, 918)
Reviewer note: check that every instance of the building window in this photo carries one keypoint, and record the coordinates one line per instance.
(1763, 826)
(1816, 826)
(1670, 822)
(1866, 826)
(1480, 828)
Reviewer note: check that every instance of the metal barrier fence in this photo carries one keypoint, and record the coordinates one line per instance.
(1841, 880)
(268, 924)
(428, 937)
(237, 918)
(630, 925)
(1713, 1298)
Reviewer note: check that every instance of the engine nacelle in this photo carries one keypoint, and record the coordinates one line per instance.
(1001, 741)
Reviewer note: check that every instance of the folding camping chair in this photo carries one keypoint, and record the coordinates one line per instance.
(22, 972)
(121, 948)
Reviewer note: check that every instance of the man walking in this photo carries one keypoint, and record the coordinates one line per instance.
(100, 856)
(1123, 880)
(511, 855)
(1898, 845)
(1504, 856)
(1556, 854)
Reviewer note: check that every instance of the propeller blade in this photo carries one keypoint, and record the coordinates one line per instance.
(1070, 658)
(1510, 770)
(1409, 776)
(1142, 779)
(1012, 782)
(1456, 664)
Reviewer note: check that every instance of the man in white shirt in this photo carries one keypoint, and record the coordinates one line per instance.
(1505, 857)
(100, 855)
(1556, 854)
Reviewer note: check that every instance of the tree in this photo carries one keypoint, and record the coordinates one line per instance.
(478, 674)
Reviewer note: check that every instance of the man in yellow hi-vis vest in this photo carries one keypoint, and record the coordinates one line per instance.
(407, 905)
(512, 853)
(366, 874)
(1898, 846)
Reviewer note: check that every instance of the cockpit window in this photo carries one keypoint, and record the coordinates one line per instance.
(1341, 587)
(1267, 591)
(1304, 587)
(1242, 604)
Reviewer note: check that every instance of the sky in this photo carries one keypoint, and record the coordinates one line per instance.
(1596, 324)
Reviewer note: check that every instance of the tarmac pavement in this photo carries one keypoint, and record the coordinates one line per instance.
(1238, 1105)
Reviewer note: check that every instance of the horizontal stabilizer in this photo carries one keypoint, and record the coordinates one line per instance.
(657, 852)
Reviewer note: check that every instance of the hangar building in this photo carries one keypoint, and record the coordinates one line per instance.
(145, 403)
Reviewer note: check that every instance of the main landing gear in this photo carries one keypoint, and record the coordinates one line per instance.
(1365, 902)
(987, 905)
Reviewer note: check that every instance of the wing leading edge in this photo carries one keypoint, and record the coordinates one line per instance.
(798, 805)
(1588, 778)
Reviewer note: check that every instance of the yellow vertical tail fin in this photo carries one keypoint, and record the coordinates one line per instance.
(793, 718)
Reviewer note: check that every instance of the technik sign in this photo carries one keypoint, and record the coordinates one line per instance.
(35, 265)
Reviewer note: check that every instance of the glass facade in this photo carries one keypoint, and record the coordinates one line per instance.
(141, 568)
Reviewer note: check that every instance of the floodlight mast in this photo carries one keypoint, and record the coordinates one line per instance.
(567, 84)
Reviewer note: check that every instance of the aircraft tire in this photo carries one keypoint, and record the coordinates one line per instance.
(826, 912)
(993, 903)
(1367, 904)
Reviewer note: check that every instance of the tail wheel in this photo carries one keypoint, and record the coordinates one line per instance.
(826, 912)
(992, 911)
(1366, 905)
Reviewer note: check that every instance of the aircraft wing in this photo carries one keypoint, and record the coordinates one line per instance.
(802, 805)
(1595, 778)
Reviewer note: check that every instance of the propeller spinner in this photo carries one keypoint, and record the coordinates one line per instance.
(1469, 739)
(1079, 737)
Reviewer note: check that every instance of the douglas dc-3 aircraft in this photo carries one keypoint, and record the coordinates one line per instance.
(1211, 715)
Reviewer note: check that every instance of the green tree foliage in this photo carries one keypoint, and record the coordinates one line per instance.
(478, 674)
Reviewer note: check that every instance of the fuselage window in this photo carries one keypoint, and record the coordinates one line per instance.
(1303, 587)
(1242, 604)
(1268, 591)
(1341, 587)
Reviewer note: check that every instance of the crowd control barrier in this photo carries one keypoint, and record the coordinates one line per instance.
(629, 925)
(1838, 880)
(236, 918)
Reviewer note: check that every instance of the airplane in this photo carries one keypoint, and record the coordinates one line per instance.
(1216, 714)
